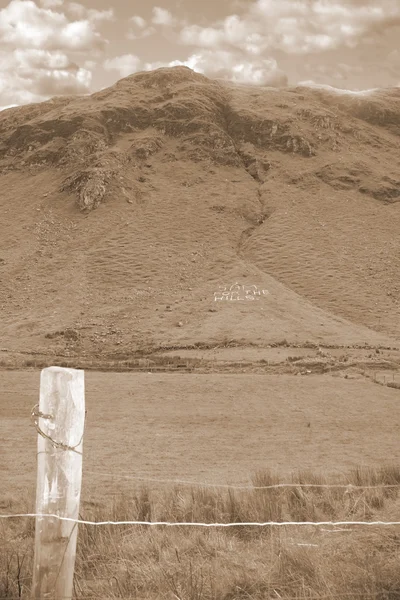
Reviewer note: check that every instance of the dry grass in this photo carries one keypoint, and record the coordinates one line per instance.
(190, 563)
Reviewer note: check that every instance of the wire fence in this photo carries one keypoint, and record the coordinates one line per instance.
(178, 482)
(193, 524)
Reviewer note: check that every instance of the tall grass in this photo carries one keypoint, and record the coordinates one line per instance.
(233, 563)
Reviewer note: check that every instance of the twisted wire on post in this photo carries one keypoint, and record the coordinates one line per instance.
(36, 415)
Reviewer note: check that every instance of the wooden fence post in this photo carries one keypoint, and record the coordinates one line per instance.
(60, 424)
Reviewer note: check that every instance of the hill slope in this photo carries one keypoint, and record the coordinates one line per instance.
(125, 211)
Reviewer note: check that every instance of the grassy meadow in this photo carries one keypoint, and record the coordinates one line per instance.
(228, 563)
(221, 430)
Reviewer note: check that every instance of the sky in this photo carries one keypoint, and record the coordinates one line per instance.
(56, 47)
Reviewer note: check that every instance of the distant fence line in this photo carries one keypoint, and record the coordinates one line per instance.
(347, 486)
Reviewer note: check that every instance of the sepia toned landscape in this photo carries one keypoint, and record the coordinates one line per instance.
(222, 260)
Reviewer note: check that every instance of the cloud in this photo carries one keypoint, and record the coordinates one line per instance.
(89, 64)
(334, 70)
(161, 16)
(33, 75)
(42, 59)
(8, 106)
(230, 66)
(91, 14)
(131, 35)
(140, 29)
(51, 3)
(39, 46)
(138, 21)
(23, 24)
(340, 91)
(125, 64)
(296, 27)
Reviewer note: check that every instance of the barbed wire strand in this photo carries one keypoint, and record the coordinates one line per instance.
(348, 486)
(195, 524)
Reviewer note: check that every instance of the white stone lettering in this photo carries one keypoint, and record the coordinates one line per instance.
(239, 292)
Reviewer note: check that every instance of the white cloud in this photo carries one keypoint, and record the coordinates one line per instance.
(51, 3)
(140, 29)
(296, 27)
(138, 21)
(23, 24)
(89, 64)
(206, 37)
(39, 46)
(33, 75)
(41, 59)
(131, 35)
(329, 88)
(161, 16)
(100, 15)
(92, 14)
(335, 70)
(8, 106)
(235, 67)
(125, 64)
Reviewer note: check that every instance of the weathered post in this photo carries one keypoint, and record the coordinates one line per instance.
(60, 424)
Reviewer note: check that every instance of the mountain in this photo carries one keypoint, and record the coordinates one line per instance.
(125, 213)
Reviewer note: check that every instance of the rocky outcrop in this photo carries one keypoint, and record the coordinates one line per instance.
(208, 120)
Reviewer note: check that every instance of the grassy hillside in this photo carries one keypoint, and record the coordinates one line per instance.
(124, 212)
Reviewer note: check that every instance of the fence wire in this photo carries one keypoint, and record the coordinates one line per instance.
(346, 486)
(195, 524)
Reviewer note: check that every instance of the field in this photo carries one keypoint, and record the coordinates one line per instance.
(217, 429)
